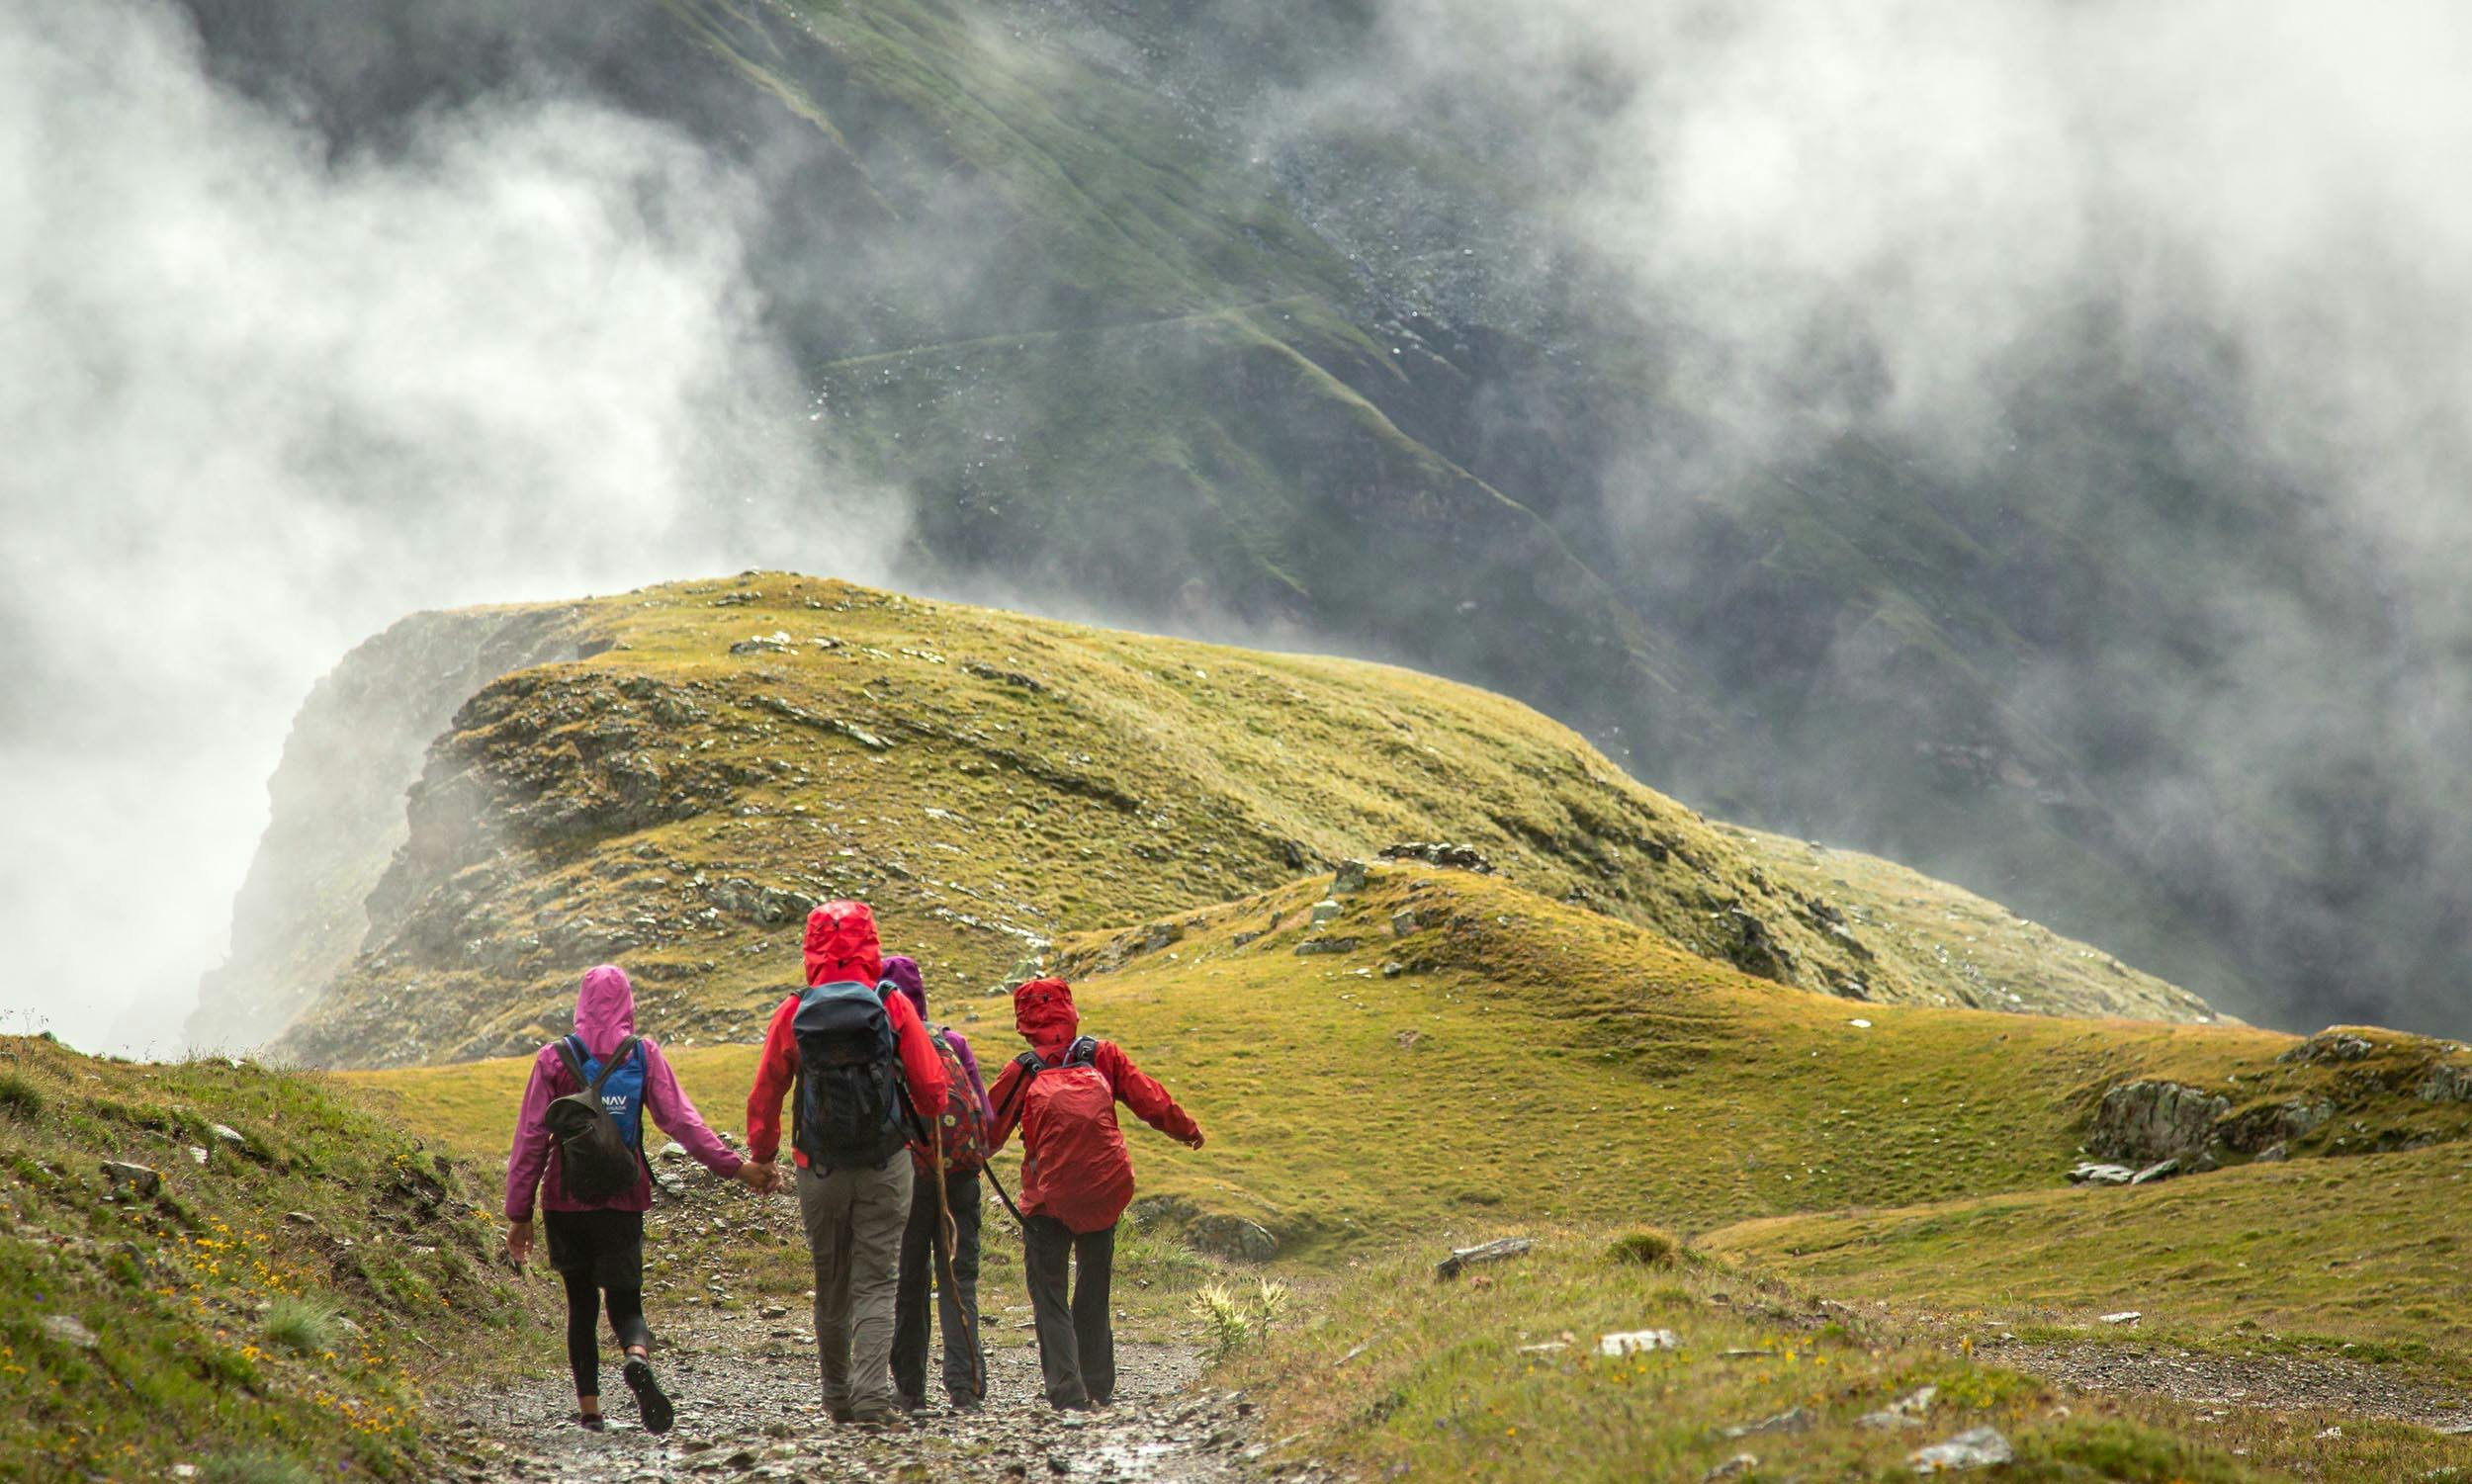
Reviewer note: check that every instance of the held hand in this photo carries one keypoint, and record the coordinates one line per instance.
(764, 1177)
(519, 1241)
(1194, 1142)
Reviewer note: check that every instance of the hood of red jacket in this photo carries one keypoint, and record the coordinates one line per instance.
(841, 944)
(1042, 1010)
(604, 1010)
(901, 971)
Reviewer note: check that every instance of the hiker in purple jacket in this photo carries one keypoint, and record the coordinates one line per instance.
(598, 1247)
(962, 1132)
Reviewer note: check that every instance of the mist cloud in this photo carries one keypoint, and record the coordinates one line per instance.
(2071, 263)
(260, 401)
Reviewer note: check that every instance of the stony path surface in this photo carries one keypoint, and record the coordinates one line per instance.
(742, 1371)
(748, 1408)
(2275, 1382)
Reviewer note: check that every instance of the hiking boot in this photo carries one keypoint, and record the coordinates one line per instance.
(650, 1399)
(881, 1420)
(593, 1421)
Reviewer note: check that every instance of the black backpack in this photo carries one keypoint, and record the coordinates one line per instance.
(596, 1160)
(849, 1100)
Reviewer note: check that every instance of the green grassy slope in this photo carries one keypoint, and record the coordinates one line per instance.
(1533, 1060)
(1494, 1377)
(737, 750)
(271, 1314)
(2355, 1256)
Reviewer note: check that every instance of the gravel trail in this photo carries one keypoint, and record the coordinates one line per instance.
(743, 1373)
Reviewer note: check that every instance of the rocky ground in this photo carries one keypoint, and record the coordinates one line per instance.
(736, 1351)
(748, 1408)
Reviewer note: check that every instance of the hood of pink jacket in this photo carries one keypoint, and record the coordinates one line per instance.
(604, 1010)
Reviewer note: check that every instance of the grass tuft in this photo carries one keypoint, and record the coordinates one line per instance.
(256, 1469)
(1647, 1248)
(20, 1099)
(303, 1326)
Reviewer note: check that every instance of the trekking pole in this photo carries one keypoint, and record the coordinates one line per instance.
(948, 1237)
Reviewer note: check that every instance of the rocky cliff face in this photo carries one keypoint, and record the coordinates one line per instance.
(338, 813)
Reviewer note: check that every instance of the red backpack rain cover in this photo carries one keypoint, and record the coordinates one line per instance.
(1073, 1164)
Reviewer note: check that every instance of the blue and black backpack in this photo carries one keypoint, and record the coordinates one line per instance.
(599, 1128)
(850, 1098)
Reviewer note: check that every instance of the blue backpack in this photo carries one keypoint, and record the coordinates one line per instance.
(599, 1128)
(849, 1098)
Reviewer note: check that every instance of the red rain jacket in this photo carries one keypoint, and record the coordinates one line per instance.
(841, 946)
(1073, 1164)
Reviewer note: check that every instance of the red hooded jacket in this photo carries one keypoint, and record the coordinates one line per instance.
(841, 945)
(1084, 1182)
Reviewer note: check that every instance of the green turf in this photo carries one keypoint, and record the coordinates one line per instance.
(276, 1310)
(1496, 1375)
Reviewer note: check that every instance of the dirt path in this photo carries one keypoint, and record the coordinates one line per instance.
(2273, 1382)
(742, 1370)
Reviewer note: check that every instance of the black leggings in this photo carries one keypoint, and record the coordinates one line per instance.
(584, 1339)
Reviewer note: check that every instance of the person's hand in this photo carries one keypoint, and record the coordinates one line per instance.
(761, 1176)
(1194, 1142)
(519, 1241)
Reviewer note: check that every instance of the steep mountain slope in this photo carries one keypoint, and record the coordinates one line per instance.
(730, 752)
(1149, 303)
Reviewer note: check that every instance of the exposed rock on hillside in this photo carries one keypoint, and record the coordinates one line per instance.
(338, 805)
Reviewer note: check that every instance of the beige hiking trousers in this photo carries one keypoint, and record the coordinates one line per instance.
(855, 1220)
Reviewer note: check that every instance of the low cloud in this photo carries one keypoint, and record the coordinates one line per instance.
(261, 399)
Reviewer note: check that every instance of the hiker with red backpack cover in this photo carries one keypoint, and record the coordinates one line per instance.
(1077, 1178)
(861, 1067)
(579, 1143)
(942, 1241)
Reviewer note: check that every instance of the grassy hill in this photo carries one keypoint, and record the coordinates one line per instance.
(266, 1306)
(730, 752)
(1506, 1056)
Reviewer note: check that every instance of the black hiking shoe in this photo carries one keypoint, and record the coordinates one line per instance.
(593, 1421)
(650, 1399)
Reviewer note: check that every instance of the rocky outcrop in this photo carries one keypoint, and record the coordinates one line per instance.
(2447, 1083)
(2145, 1123)
(338, 805)
(1232, 1238)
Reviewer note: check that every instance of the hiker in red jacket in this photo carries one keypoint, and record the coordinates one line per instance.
(852, 1053)
(1077, 1178)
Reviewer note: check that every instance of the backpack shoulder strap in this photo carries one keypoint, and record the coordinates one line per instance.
(1031, 1067)
(617, 1059)
(1082, 1052)
(569, 1051)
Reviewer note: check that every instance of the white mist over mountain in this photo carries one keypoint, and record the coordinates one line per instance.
(259, 402)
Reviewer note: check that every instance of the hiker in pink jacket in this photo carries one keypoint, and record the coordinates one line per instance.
(598, 1245)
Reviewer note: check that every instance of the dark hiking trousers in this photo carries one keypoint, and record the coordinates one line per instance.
(1075, 1337)
(921, 1269)
(597, 1254)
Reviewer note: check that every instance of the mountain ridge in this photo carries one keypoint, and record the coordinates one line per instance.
(699, 761)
